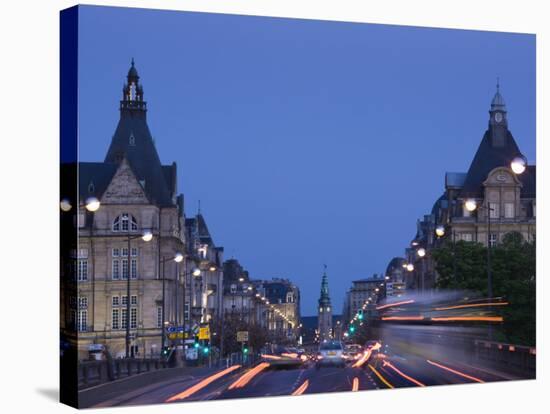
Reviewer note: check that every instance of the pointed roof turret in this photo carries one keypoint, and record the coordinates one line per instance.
(324, 299)
(132, 140)
(498, 104)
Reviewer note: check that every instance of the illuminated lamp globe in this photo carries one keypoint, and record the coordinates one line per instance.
(196, 272)
(147, 236)
(518, 165)
(178, 257)
(410, 267)
(470, 204)
(421, 252)
(440, 231)
(92, 204)
(65, 205)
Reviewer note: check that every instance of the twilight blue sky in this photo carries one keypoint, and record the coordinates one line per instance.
(307, 142)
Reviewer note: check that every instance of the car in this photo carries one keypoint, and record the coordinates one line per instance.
(280, 357)
(331, 353)
(353, 352)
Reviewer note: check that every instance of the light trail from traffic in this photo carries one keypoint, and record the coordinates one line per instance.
(302, 388)
(468, 319)
(455, 371)
(384, 380)
(472, 305)
(355, 385)
(199, 386)
(407, 377)
(403, 318)
(389, 305)
(247, 377)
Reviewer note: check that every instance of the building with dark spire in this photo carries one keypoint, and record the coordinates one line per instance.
(506, 199)
(136, 194)
(324, 311)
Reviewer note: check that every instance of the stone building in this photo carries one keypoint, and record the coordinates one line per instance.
(361, 292)
(505, 199)
(239, 293)
(137, 194)
(205, 273)
(324, 311)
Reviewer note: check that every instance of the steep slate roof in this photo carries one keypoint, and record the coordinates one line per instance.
(487, 158)
(98, 174)
(529, 181)
(141, 153)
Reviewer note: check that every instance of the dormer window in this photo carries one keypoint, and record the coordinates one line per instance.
(91, 188)
(289, 297)
(125, 222)
(132, 140)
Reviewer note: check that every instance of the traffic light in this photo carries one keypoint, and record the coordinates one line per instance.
(360, 315)
(245, 349)
(206, 349)
(196, 344)
(352, 329)
(165, 351)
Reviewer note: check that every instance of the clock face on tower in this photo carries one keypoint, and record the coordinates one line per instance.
(498, 117)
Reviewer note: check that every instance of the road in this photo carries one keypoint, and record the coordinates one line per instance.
(382, 370)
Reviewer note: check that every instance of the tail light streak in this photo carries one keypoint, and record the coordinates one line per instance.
(407, 377)
(247, 377)
(454, 371)
(302, 388)
(199, 386)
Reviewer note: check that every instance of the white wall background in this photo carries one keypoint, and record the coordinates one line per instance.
(29, 70)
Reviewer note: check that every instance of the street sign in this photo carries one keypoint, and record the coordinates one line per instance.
(242, 336)
(195, 328)
(204, 332)
(178, 335)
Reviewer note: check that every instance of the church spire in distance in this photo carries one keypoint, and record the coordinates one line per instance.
(324, 299)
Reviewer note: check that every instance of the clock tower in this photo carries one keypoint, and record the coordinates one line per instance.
(324, 311)
(498, 122)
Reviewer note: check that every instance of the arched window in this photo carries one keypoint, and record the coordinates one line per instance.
(125, 222)
(289, 297)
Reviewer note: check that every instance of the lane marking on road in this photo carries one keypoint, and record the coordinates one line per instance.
(411, 379)
(455, 371)
(355, 385)
(199, 386)
(245, 378)
(302, 388)
(380, 377)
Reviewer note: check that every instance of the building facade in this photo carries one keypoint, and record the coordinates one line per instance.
(119, 274)
(504, 199)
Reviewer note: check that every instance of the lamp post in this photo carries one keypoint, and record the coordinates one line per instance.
(178, 257)
(146, 236)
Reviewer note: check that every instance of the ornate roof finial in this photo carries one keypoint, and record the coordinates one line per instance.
(132, 61)
(199, 212)
(498, 84)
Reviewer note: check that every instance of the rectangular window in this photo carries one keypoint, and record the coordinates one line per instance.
(116, 252)
(82, 320)
(467, 237)
(115, 319)
(493, 240)
(159, 316)
(124, 269)
(509, 210)
(116, 269)
(134, 251)
(134, 269)
(124, 252)
(82, 270)
(81, 220)
(83, 302)
(124, 300)
(133, 318)
(465, 212)
(123, 319)
(133, 300)
(116, 300)
(494, 211)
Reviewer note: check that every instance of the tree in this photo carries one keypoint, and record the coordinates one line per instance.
(463, 266)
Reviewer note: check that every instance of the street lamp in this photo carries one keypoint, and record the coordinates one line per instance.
(440, 231)
(65, 205)
(410, 267)
(92, 204)
(518, 164)
(421, 252)
(178, 257)
(146, 236)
